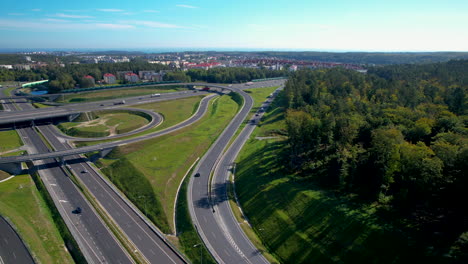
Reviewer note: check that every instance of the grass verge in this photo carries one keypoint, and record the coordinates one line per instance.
(187, 234)
(9, 140)
(299, 222)
(163, 161)
(174, 112)
(22, 204)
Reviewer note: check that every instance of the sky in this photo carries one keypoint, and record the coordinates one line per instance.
(322, 25)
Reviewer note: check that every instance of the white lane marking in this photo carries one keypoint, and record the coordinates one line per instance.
(53, 184)
(1, 260)
(63, 201)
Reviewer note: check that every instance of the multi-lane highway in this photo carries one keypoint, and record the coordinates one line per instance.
(210, 213)
(95, 240)
(218, 229)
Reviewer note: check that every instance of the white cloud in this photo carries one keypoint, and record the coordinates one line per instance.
(151, 11)
(186, 6)
(151, 24)
(111, 10)
(114, 26)
(55, 20)
(71, 16)
(57, 24)
(36, 10)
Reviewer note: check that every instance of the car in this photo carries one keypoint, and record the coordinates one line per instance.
(101, 104)
(256, 114)
(197, 174)
(77, 210)
(84, 171)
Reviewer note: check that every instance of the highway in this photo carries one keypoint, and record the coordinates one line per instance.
(95, 240)
(152, 245)
(68, 152)
(70, 109)
(12, 249)
(204, 215)
(214, 221)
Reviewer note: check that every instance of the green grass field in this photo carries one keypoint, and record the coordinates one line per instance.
(116, 93)
(301, 223)
(9, 140)
(108, 123)
(174, 112)
(164, 160)
(21, 203)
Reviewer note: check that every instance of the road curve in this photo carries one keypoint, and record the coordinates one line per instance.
(156, 120)
(12, 249)
(222, 241)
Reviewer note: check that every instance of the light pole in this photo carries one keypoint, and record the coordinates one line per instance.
(201, 252)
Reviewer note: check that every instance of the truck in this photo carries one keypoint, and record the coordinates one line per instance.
(156, 95)
(119, 102)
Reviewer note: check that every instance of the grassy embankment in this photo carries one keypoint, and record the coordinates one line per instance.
(173, 112)
(105, 123)
(116, 93)
(164, 160)
(9, 141)
(301, 223)
(21, 203)
(157, 166)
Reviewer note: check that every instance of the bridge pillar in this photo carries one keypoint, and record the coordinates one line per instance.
(13, 168)
(72, 117)
(105, 152)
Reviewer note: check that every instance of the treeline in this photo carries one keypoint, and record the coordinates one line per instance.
(224, 75)
(396, 136)
(378, 58)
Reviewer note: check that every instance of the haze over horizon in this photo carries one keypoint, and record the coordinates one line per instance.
(244, 25)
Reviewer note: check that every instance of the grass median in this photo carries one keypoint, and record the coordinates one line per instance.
(21, 203)
(173, 111)
(9, 140)
(157, 165)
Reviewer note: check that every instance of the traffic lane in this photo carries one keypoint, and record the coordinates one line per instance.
(90, 227)
(199, 187)
(220, 180)
(38, 113)
(148, 242)
(12, 249)
(197, 116)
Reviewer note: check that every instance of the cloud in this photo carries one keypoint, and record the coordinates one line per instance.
(36, 10)
(151, 11)
(186, 6)
(71, 16)
(55, 20)
(114, 26)
(110, 10)
(151, 24)
(57, 24)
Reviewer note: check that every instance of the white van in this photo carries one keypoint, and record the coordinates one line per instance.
(155, 95)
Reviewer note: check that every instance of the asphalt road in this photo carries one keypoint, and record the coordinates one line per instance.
(70, 109)
(12, 249)
(198, 115)
(94, 239)
(151, 244)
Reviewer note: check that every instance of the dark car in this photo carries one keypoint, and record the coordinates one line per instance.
(197, 174)
(77, 210)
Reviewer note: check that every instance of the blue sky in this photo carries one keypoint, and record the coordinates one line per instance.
(379, 25)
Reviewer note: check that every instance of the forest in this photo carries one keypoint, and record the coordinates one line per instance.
(396, 136)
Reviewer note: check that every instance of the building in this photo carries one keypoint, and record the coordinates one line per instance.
(10, 67)
(293, 68)
(131, 77)
(25, 67)
(146, 75)
(121, 74)
(109, 78)
(91, 78)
